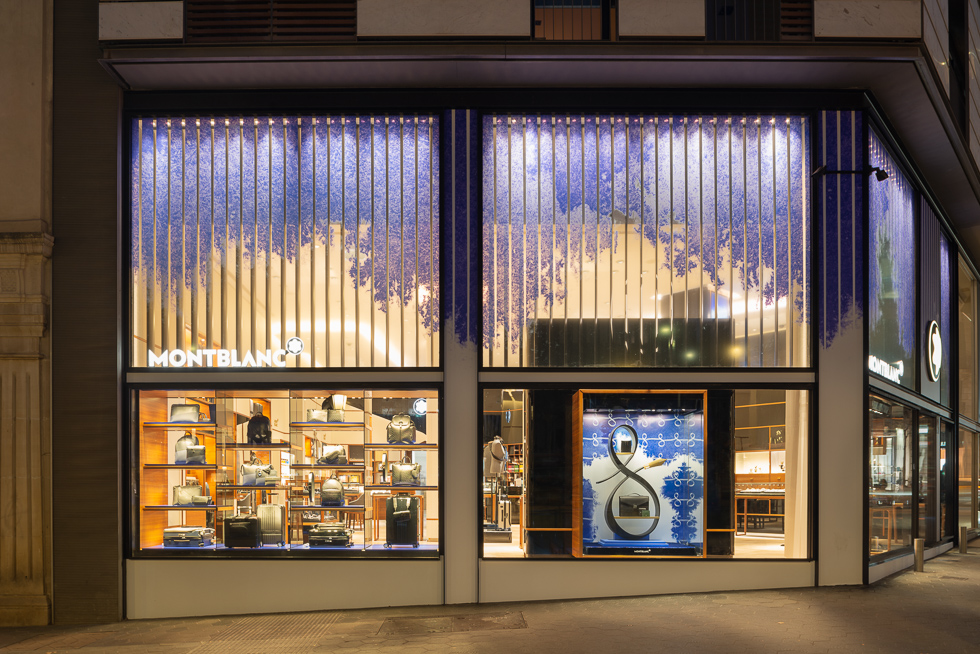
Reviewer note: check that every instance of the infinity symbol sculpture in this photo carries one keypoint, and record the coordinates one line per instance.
(622, 468)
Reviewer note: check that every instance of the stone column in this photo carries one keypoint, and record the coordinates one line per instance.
(26, 30)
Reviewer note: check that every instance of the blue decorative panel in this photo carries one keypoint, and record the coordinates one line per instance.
(840, 215)
(249, 233)
(892, 270)
(643, 474)
(646, 240)
(461, 154)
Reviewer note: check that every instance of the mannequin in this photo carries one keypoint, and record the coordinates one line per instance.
(259, 427)
(495, 458)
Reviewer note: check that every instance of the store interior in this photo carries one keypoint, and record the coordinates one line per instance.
(769, 472)
(331, 472)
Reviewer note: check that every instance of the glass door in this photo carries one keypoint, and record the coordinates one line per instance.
(927, 480)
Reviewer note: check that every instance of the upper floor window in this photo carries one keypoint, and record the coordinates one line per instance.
(289, 241)
(646, 240)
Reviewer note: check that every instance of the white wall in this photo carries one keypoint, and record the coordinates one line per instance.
(661, 18)
(508, 580)
(173, 588)
(869, 19)
(442, 18)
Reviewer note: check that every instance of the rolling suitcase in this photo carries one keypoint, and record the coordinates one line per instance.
(187, 537)
(402, 520)
(330, 535)
(242, 531)
(272, 524)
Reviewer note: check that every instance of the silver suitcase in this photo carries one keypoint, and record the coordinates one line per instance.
(272, 524)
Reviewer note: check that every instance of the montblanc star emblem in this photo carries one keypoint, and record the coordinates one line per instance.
(294, 345)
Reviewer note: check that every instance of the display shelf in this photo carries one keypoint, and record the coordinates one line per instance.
(256, 488)
(313, 466)
(400, 488)
(314, 507)
(180, 466)
(246, 446)
(180, 507)
(389, 446)
(179, 425)
(326, 425)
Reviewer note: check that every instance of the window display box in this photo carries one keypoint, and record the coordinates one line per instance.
(267, 436)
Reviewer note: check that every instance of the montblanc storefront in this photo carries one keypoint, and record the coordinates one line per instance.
(422, 355)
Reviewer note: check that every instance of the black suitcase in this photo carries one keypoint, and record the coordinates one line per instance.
(243, 531)
(402, 520)
(329, 535)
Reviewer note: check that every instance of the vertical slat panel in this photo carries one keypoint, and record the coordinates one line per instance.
(249, 231)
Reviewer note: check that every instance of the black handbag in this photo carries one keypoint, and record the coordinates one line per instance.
(259, 430)
(405, 473)
(333, 455)
(634, 506)
(401, 430)
(332, 492)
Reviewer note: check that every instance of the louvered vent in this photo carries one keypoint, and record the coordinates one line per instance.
(796, 20)
(220, 21)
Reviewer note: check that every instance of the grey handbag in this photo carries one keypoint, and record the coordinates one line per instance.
(188, 449)
(634, 506)
(335, 415)
(333, 455)
(332, 492)
(185, 413)
(184, 495)
(401, 429)
(316, 415)
(257, 474)
(405, 473)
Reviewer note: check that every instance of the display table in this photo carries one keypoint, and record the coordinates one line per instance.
(744, 497)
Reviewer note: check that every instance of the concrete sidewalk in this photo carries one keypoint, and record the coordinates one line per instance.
(937, 611)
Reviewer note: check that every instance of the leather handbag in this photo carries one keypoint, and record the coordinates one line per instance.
(333, 455)
(185, 413)
(401, 429)
(335, 415)
(188, 450)
(256, 474)
(405, 473)
(332, 492)
(259, 430)
(634, 506)
(316, 415)
(184, 495)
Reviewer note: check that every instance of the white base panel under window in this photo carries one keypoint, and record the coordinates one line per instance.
(168, 589)
(510, 581)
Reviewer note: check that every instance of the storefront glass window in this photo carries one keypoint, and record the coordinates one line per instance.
(645, 473)
(646, 240)
(893, 446)
(967, 305)
(284, 241)
(892, 317)
(928, 482)
(967, 479)
(267, 473)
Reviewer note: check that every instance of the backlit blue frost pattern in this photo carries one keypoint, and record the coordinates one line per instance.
(248, 230)
(892, 282)
(685, 238)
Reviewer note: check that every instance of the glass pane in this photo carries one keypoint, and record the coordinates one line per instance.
(285, 241)
(928, 490)
(947, 487)
(967, 480)
(646, 240)
(890, 495)
(771, 499)
(892, 320)
(967, 304)
(503, 480)
(315, 472)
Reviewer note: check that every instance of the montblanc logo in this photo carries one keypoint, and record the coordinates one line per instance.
(219, 358)
(885, 369)
(934, 348)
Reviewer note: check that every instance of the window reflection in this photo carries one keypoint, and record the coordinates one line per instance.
(890, 495)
